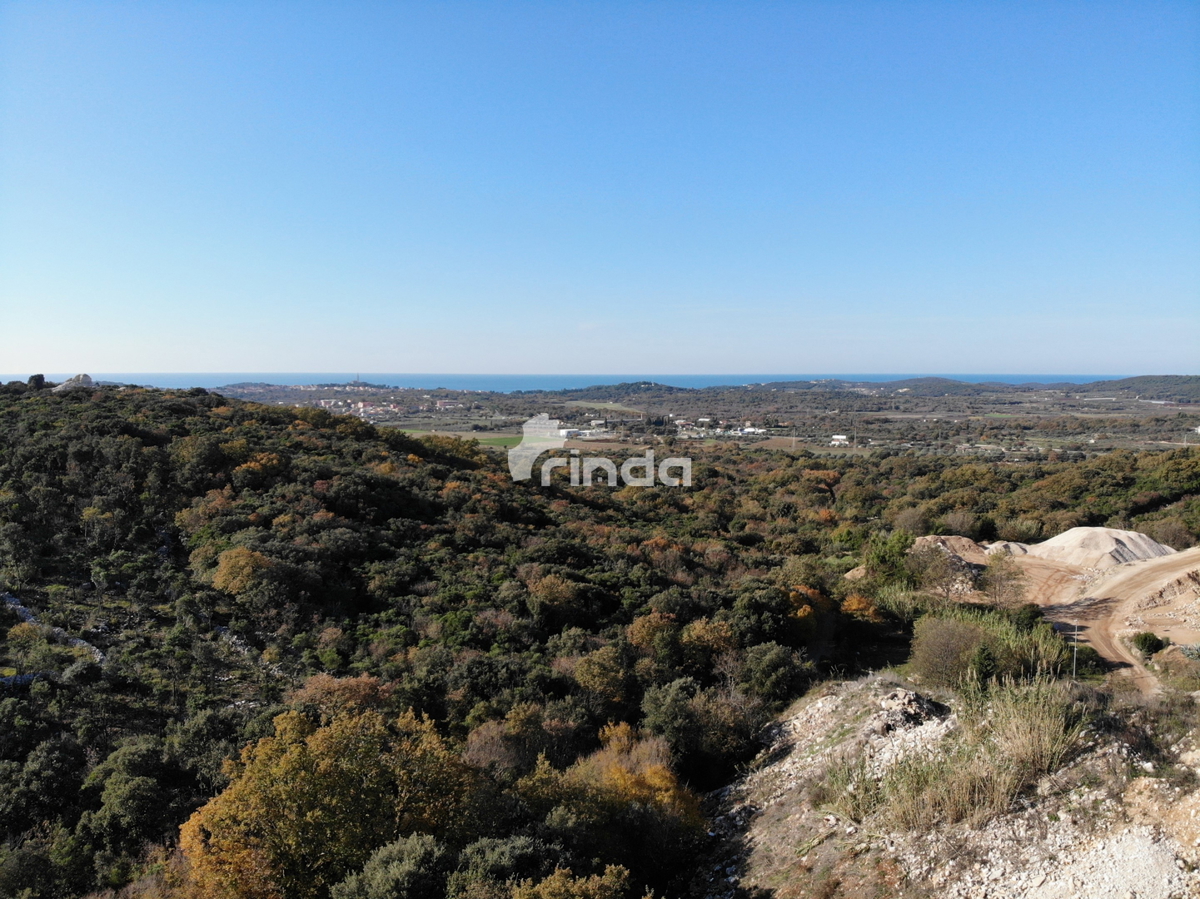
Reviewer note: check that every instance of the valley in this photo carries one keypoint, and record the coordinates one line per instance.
(221, 613)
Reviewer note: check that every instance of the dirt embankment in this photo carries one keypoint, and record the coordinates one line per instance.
(1105, 584)
(1114, 606)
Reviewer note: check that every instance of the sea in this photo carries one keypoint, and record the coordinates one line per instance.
(500, 383)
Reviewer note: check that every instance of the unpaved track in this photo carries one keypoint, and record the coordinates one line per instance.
(1100, 606)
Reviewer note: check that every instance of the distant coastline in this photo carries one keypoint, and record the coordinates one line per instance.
(494, 383)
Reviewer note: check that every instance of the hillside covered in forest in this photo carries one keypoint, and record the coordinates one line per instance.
(270, 652)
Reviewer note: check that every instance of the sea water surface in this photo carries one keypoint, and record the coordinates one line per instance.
(499, 383)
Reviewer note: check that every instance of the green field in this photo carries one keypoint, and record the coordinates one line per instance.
(608, 407)
(505, 440)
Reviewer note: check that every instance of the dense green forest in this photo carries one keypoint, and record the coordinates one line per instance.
(324, 659)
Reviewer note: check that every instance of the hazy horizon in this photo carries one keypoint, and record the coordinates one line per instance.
(504, 383)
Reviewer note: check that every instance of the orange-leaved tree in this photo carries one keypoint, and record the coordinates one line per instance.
(308, 805)
(622, 803)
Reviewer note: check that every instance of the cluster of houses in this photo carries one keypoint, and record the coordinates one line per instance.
(357, 387)
(382, 410)
(363, 409)
(705, 427)
(598, 431)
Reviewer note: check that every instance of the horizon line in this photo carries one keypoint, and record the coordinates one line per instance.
(635, 375)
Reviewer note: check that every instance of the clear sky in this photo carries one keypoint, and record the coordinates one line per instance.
(600, 187)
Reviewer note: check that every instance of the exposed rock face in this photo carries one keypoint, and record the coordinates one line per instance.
(904, 708)
(1105, 825)
(57, 633)
(79, 382)
(1007, 546)
(759, 822)
(962, 548)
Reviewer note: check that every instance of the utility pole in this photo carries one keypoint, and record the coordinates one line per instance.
(1075, 656)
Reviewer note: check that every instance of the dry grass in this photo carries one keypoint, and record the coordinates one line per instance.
(905, 604)
(847, 788)
(1011, 735)
(954, 641)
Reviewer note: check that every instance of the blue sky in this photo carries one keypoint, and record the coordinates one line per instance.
(600, 187)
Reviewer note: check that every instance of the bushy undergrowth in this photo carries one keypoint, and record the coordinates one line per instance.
(233, 561)
(1147, 643)
(1152, 726)
(1010, 734)
(905, 604)
(955, 643)
(1016, 721)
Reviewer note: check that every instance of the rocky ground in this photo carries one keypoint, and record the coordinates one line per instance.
(1120, 820)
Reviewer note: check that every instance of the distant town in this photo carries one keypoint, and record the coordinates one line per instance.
(937, 415)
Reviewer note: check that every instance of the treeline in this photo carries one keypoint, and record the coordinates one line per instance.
(418, 668)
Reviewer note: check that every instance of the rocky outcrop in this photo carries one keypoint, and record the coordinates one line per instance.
(1108, 824)
(964, 549)
(79, 382)
(57, 633)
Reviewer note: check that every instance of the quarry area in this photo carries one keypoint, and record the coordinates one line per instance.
(837, 805)
(1105, 585)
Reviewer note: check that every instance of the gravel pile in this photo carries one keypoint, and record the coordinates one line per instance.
(1091, 548)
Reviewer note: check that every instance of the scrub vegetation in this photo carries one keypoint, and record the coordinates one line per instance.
(265, 652)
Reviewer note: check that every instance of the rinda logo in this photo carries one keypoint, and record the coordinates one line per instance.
(539, 434)
(542, 433)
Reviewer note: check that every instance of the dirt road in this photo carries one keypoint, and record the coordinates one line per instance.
(1101, 607)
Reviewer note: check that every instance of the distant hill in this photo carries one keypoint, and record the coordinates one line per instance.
(606, 391)
(1151, 388)
(1158, 388)
(1171, 388)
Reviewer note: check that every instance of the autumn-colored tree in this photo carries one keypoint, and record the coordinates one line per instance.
(336, 695)
(602, 674)
(552, 594)
(436, 790)
(704, 640)
(526, 732)
(646, 631)
(239, 569)
(309, 804)
(562, 884)
(821, 482)
(622, 803)
(260, 469)
(860, 606)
